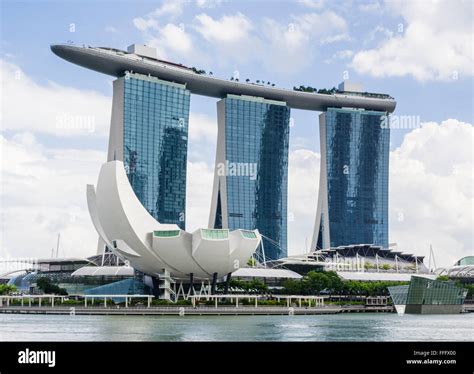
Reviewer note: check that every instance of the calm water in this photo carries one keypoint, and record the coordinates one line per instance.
(369, 327)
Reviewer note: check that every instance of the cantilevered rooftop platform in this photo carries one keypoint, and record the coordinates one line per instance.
(116, 62)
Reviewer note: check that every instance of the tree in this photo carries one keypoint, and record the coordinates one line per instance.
(45, 285)
(7, 289)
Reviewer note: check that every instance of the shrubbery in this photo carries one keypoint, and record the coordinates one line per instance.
(7, 289)
(315, 283)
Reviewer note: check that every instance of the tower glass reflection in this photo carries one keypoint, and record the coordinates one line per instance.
(251, 179)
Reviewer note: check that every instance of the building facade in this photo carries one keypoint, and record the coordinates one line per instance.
(251, 175)
(353, 190)
(149, 133)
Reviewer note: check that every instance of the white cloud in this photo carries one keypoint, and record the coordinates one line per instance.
(340, 55)
(43, 193)
(370, 7)
(52, 108)
(431, 191)
(200, 176)
(202, 138)
(172, 8)
(285, 44)
(169, 8)
(437, 43)
(172, 38)
(303, 183)
(208, 3)
(314, 4)
(227, 29)
(144, 24)
(431, 184)
(111, 29)
(379, 30)
(235, 38)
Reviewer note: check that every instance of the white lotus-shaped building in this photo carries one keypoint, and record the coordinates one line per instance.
(154, 248)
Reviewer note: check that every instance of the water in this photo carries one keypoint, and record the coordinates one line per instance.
(340, 327)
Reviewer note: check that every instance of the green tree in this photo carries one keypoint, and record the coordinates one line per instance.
(7, 289)
(45, 285)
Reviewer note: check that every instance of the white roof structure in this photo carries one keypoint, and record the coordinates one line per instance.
(463, 271)
(266, 273)
(379, 276)
(153, 248)
(97, 271)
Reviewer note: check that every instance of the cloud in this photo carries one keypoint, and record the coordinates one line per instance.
(52, 108)
(378, 30)
(208, 3)
(340, 55)
(314, 4)
(303, 186)
(169, 8)
(235, 38)
(436, 43)
(200, 176)
(172, 38)
(431, 191)
(431, 202)
(43, 193)
(371, 7)
(111, 29)
(144, 24)
(202, 138)
(227, 29)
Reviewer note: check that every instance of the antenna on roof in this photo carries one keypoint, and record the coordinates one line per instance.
(57, 245)
(432, 256)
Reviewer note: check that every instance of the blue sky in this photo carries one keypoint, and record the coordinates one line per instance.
(420, 52)
(30, 27)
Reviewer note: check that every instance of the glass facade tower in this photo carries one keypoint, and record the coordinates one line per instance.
(149, 133)
(353, 191)
(251, 176)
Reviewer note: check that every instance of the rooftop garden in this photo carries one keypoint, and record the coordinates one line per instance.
(334, 90)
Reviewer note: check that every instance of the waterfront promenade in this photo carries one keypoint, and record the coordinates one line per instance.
(189, 310)
(198, 305)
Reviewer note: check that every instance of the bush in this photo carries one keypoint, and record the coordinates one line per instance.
(329, 282)
(7, 289)
(45, 285)
(72, 302)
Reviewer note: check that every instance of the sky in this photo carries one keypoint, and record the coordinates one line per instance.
(55, 116)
